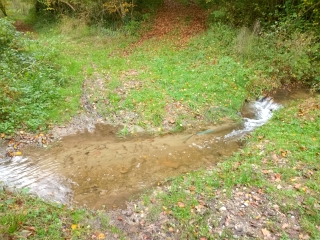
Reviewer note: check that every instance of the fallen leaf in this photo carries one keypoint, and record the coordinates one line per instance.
(256, 198)
(297, 186)
(17, 153)
(192, 188)
(278, 177)
(2, 135)
(171, 121)
(30, 228)
(101, 236)
(119, 218)
(274, 157)
(73, 226)
(265, 232)
(284, 153)
(304, 237)
(284, 226)
(181, 204)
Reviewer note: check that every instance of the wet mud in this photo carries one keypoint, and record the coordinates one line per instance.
(98, 169)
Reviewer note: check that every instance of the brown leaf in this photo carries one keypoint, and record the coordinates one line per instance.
(297, 186)
(101, 236)
(256, 198)
(33, 229)
(265, 232)
(304, 237)
(120, 218)
(170, 120)
(181, 204)
(274, 157)
(192, 188)
(277, 177)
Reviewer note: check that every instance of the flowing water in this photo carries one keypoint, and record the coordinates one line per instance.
(96, 169)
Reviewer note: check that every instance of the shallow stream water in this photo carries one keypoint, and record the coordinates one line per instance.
(96, 169)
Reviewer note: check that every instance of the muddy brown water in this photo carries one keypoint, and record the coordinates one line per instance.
(98, 169)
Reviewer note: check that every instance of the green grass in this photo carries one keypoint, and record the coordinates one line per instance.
(286, 148)
(23, 216)
(210, 77)
(204, 81)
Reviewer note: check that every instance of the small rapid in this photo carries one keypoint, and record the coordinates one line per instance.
(261, 111)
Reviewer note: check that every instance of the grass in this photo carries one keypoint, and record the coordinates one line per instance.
(208, 78)
(157, 83)
(164, 83)
(281, 159)
(24, 216)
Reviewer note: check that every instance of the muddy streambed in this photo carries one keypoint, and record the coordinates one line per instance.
(98, 169)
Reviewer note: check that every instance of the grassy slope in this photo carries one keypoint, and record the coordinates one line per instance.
(155, 76)
(280, 163)
(161, 83)
(212, 70)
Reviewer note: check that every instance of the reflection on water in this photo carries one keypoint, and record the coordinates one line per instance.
(40, 177)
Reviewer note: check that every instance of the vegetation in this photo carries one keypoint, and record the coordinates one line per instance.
(279, 163)
(23, 216)
(105, 57)
(277, 169)
(198, 73)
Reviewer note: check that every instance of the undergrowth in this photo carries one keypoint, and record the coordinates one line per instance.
(30, 83)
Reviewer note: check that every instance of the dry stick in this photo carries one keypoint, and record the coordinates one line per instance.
(68, 5)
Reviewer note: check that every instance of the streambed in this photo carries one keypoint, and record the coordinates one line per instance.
(98, 169)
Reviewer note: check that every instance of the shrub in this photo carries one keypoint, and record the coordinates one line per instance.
(29, 83)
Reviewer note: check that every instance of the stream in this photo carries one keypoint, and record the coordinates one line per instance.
(100, 170)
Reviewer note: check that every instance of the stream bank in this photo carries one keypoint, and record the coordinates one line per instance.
(97, 169)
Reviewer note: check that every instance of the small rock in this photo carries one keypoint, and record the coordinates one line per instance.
(223, 208)
(238, 228)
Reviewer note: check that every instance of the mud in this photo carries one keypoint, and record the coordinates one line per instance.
(103, 170)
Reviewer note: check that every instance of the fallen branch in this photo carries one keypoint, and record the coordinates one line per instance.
(68, 5)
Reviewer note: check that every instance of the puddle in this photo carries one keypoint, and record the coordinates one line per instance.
(97, 169)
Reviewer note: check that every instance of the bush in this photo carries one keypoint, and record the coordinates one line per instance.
(29, 83)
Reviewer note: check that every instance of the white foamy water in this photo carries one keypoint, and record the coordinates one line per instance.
(263, 110)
